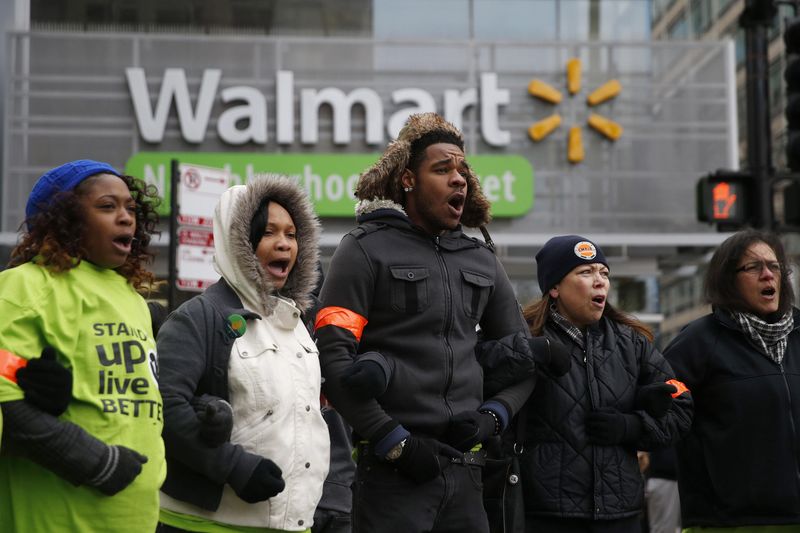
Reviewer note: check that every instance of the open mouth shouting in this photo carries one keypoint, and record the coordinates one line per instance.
(123, 243)
(599, 301)
(769, 293)
(278, 269)
(456, 203)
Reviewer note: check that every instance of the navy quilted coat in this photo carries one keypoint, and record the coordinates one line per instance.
(564, 475)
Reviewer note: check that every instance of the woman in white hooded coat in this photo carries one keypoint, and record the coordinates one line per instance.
(243, 340)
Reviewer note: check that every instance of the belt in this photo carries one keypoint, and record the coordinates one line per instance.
(477, 458)
(470, 458)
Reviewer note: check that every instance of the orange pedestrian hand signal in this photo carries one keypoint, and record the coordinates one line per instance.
(724, 201)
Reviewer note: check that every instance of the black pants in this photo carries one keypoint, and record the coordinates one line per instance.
(579, 525)
(387, 501)
(326, 521)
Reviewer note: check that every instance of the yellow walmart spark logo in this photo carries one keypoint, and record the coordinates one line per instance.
(546, 126)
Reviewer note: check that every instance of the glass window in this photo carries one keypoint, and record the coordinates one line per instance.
(421, 19)
(679, 30)
(311, 17)
(574, 20)
(701, 16)
(740, 47)
(624, 20)
(776, 91)
(515, 20)
(723, 5)
(776, 29)
(660, 7)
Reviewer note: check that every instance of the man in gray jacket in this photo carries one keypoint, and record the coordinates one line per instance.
(408, 290)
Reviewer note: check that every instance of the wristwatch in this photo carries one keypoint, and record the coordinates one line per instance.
(396, 451)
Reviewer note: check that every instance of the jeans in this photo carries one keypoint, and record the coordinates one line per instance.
(385, 500)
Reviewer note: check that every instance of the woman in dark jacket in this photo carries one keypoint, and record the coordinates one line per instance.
(579, 466)
(740, 464)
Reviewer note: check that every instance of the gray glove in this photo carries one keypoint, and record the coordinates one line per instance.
(118, 468)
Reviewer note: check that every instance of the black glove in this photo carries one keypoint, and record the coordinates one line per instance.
(216, 421)
(118, 469)
(552, 355)
(265, 482)
(423, 459)
(468, 428)
(655, 398)
(365, 379)
(608, 427)
(47, 384)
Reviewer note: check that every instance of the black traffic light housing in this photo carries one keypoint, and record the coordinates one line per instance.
(788, 200)
(791, 74)
(724, 198)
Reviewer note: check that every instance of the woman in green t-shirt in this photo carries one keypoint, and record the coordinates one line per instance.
(72, 285)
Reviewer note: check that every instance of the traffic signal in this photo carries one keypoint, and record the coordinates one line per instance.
(723, 198)
(791, 74)
(788, 201)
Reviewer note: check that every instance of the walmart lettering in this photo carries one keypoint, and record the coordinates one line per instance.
(249, 106)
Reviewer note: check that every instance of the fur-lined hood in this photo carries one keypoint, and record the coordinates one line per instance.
(382, 180)
(234, 258)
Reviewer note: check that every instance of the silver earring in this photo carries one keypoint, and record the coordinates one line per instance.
(408, 189)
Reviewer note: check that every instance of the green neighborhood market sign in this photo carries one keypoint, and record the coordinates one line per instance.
(507, 181)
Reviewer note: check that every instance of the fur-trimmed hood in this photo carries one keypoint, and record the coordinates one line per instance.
(382, 180)
(234, 258)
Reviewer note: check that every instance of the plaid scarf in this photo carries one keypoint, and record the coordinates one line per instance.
(769, 339)
(569, 328)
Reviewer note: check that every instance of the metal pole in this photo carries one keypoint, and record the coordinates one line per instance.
(756, 19)
(172, 269)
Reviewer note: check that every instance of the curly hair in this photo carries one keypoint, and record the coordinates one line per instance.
(54, 238)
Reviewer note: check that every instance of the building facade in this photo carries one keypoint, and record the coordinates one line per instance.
(316, 89)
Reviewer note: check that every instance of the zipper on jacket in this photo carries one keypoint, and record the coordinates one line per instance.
(448, 306)
(791, 424)
(592, 405)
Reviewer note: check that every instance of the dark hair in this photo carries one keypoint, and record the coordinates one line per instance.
(418, 147)
(54, 238)
(537, 313)
(258, 223)
(720, 281)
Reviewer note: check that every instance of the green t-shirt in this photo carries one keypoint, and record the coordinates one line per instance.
(101, 329)
(203, 525)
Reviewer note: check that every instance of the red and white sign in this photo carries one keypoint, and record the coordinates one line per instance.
(195, 259)
(198, 192)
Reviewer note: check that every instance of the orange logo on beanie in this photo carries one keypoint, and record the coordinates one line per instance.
(585, 250)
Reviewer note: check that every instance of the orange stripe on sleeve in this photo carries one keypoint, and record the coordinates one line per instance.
(342, 318)
(678, 385)
(9, 364)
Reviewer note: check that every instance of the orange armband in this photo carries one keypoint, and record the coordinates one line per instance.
(9, 364)
(342, 318)
(678, 385)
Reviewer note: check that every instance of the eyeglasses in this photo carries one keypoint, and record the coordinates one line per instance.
(756, 267)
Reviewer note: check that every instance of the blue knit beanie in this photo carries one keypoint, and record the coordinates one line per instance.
(63, 178)
(563, 253)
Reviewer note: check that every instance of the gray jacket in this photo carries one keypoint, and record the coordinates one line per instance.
(416, 299)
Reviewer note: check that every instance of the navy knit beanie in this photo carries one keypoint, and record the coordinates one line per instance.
(563, 253)
(63, 178)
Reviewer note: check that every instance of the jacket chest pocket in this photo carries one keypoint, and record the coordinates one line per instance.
(410, 289)
(475, 291)
(253, 387)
